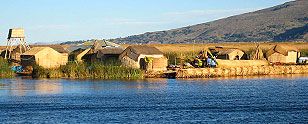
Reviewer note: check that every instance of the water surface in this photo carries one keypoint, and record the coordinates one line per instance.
(281, 99)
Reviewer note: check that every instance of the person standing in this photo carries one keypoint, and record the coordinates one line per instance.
(209, 62)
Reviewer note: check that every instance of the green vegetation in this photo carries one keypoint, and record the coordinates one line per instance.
(95, 70)
(248, 53)
(180, 58)
(304, 52)
(5, 71)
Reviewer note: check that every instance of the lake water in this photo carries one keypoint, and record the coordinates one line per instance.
(282, 99)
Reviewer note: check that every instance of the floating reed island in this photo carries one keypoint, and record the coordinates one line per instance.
(241, 71)
(106, 60)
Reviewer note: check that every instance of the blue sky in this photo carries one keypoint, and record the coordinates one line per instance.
(63, 20)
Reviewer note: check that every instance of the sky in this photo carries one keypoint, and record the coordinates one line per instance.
(69, 20)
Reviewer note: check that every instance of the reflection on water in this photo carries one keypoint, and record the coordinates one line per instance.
(259, 99)
(286, 76)
(151, 83)
(43, 87)
(22, 87)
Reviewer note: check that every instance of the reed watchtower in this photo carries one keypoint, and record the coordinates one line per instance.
(16, 36)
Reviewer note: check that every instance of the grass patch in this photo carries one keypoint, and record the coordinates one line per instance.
(94, 70)
(180, 57)
(251, 51)
(304, 52)
(5, 70)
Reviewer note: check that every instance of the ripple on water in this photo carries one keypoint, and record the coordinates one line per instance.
(259, 100)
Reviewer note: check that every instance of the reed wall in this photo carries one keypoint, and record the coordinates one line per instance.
(241, 71)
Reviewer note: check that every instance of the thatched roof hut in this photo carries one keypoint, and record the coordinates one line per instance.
(227, 53)
(89, 44)
(44, 56)
(56, 47)
(135, 56)
(15, 54)
(79, 47)
(283, 54)
(108, 53)
(99, 52)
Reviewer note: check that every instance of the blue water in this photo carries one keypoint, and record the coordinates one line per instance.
(160, 101)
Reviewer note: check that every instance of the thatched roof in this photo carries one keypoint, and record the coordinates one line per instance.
(18, 48)
(145, 50)
(226, 51)
(81, 47)
(134, 52)
(56, 47)
(282, 49)
(95, 47)
(103, 43)
(35, 50)
(111, 50)
(220, 48)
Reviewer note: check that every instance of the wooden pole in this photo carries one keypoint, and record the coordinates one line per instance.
(6, 49)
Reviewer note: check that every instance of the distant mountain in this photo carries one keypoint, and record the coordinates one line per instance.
(46, 43)
(286, 22)
(73, 42)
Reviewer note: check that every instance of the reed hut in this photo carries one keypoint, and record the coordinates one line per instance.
(44, 56)
(87, 54)
(283, 54)
(108, 54)
(144, 57)
(17, 52)
(227, 53)
(105, 48)
(56, 47)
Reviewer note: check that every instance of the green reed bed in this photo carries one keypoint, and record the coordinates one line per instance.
(96, 70)
(5, 70)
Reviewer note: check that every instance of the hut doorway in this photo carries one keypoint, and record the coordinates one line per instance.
(237, 57)
(143, 64)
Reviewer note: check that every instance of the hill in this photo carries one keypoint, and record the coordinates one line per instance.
(286, 22)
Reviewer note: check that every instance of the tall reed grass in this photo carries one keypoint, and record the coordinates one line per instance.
(94, 70)
(5, 71)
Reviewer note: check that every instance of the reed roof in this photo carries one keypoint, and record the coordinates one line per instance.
(111, 50)
(226, 51)
(134, 52)
(35, 50)
(282, 49)
(56, 47)
(145, 50)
